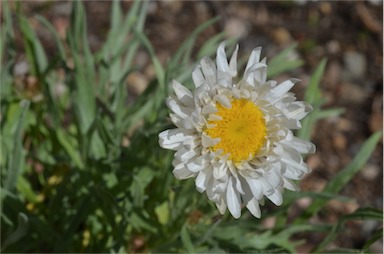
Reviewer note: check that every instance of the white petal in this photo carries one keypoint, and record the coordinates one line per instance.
(273, 178)
(209, 109)
(178, 109)
(284, 87)
(220, 171)
(253, 73)
(254, 207)
(255, 187)
(276, 198)
(300, 145)
(233, 62)
(221, 206)
(221, 58)
(253, 58)
(196, 164)
(223, 100)
(207, 141)
(202, 179)
(185, 154)
(297, 110)
(197, 76)
(233, 200)
(180, 172)
(182, 93)
(180, 122)
(289, 185)
(209, 70)
(174, 138)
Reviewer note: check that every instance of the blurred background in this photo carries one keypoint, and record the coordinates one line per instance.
(349, 34)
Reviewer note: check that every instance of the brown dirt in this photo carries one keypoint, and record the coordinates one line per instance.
(348, 34)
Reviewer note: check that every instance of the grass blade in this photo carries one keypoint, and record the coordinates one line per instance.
(346, 174)
(15, 162)
(21, 230)
(360, 214)
(313, 97)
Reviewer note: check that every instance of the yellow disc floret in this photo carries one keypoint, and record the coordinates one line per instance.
(241, 130)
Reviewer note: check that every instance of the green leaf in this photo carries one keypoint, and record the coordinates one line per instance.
(159, 71)
(329, 113)
(281, 62)
(34, 49)
(55, 35)
(67, 144)
(313, 97)
(162, 212)
(377, 235)
(360, 214)
(17, 156)
(186, 240)
(346, 174)
(21, 230)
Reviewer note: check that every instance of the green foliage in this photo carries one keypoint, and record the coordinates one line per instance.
(82, 170)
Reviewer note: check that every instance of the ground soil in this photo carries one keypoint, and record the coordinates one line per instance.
(348, 34)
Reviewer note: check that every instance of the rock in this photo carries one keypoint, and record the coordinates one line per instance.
(236, 28)
(355, 66)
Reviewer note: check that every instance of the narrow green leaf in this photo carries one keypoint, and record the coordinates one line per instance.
(312, 94)
(346, 174)
(360, 214)
(71, 150)
(186, 240)
(17, 157)
(329, 113)
(21, 230)
(282, 62)
(55, 35)
(160, 75)
(377, 235)
(313, 97)
(162, 213)
(34, 49)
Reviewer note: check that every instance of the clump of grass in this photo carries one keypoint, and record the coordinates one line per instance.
(82, 171)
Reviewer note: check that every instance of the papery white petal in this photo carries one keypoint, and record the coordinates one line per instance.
(300, 145)
(182, 111)
(233, 200)
(183, 94)
(254, 207)
(221, 206)
(233, 62)
(253, 58)
(197, 76)
(284, 87)
(209, 109)
(223, 100)
(273, 177)
(174, 138)
(180, 172)
(276, 197)
(252, 71)
(255, 186)
(220, 171)
(221, 58)
(209, 70)
(289, 185)
(196, 165)
(202, 179)
(184, 154)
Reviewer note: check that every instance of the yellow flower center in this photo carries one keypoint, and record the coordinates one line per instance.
(241, 130)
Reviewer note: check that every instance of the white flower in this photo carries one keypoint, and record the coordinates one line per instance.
(236, 138)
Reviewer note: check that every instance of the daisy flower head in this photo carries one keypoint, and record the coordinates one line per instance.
(235, 138)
